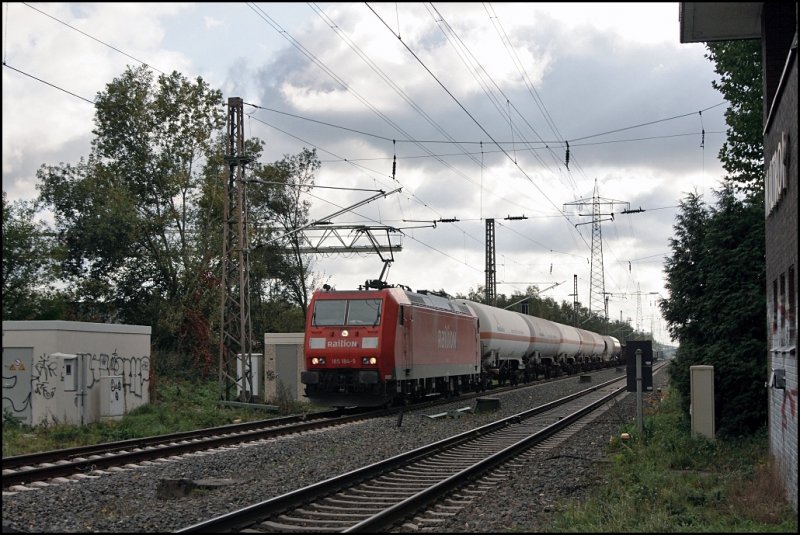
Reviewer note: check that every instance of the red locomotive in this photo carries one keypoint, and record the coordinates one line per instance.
(372, 347)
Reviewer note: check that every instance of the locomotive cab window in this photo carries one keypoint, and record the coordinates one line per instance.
(347, 312)
(329, 312)
(364, 312)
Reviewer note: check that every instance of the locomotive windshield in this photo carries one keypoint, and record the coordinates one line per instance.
(347, 312)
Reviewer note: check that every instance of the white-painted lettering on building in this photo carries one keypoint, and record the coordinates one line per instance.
(775, 185)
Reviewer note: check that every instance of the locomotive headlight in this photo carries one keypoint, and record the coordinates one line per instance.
(369, 361)
(317, 360)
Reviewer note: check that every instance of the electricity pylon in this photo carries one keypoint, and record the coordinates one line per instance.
(597, 285)
(236, 341)
(491, 268)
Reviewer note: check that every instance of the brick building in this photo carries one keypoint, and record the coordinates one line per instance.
(775, 24)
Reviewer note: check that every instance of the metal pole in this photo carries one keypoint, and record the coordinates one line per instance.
(639, 392)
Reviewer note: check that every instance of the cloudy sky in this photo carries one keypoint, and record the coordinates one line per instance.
(476, 102)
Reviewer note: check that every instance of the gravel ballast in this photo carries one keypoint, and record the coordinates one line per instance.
(129, 501)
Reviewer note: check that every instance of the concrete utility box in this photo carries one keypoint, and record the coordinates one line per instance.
(59, 371)
(702, 400)
(254, 367)
(112, 398)
(284, 361)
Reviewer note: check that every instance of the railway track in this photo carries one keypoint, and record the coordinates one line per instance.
(84, 460)
(93, 459)
(381, 495)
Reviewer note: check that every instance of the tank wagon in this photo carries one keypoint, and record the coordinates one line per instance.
(373, 347)
(517, 346)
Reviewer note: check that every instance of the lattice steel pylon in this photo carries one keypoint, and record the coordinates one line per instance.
(597, 285)
(236, 342)
(597, 281)
(491, 265)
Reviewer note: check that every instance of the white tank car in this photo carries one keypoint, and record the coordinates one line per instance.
(504, 334)
(612, 348)
(592, 344)
(570, 346)
(546, 338)
(514, 343)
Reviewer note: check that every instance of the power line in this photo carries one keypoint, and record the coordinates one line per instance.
(48, 83)
(387, 79)
(545, 143)
(94, 38)
(473, 118)
(649, 123)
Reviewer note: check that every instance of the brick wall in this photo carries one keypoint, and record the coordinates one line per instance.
(781, 259)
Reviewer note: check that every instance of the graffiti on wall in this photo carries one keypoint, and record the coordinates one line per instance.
(47, 374)
(135, 371)
(791, 396)
(44, 375)
(17, 406)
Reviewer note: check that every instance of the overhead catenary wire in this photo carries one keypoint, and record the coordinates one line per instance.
(343, 84)
(92, 37)
(515, 145)
(473, 119)
(423, 203)
(479, 73)
(387, 79)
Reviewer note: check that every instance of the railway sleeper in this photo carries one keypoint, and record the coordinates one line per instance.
(369, 489)
(279, 527)
(357, 499)
(340, 507)
(324, 515)
(320, 523)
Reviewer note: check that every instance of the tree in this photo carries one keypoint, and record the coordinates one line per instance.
(141, 217)
(734, 306)
(685, 279)
(716, 275)
(29, 269)
(277, 195)
(742, 155)
(127, 212)
(716, 279)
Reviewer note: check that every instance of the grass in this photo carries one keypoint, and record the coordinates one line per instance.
(667, 480)
(179, 405)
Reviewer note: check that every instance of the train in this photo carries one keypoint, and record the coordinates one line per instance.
(376, 347)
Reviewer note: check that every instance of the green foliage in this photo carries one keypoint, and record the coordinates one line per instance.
(676, 482)
(176, 365)
(717, 310)
(141, 222)
(277, 195)
(175, 405)
(126, 213)
(11, 421)
(716, 274)
(29, 269)
(742, 155)
(684, 279)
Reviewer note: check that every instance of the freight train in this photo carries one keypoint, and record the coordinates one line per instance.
(374, 347)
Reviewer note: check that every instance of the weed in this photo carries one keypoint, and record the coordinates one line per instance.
(674, 481)
(179, 404)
